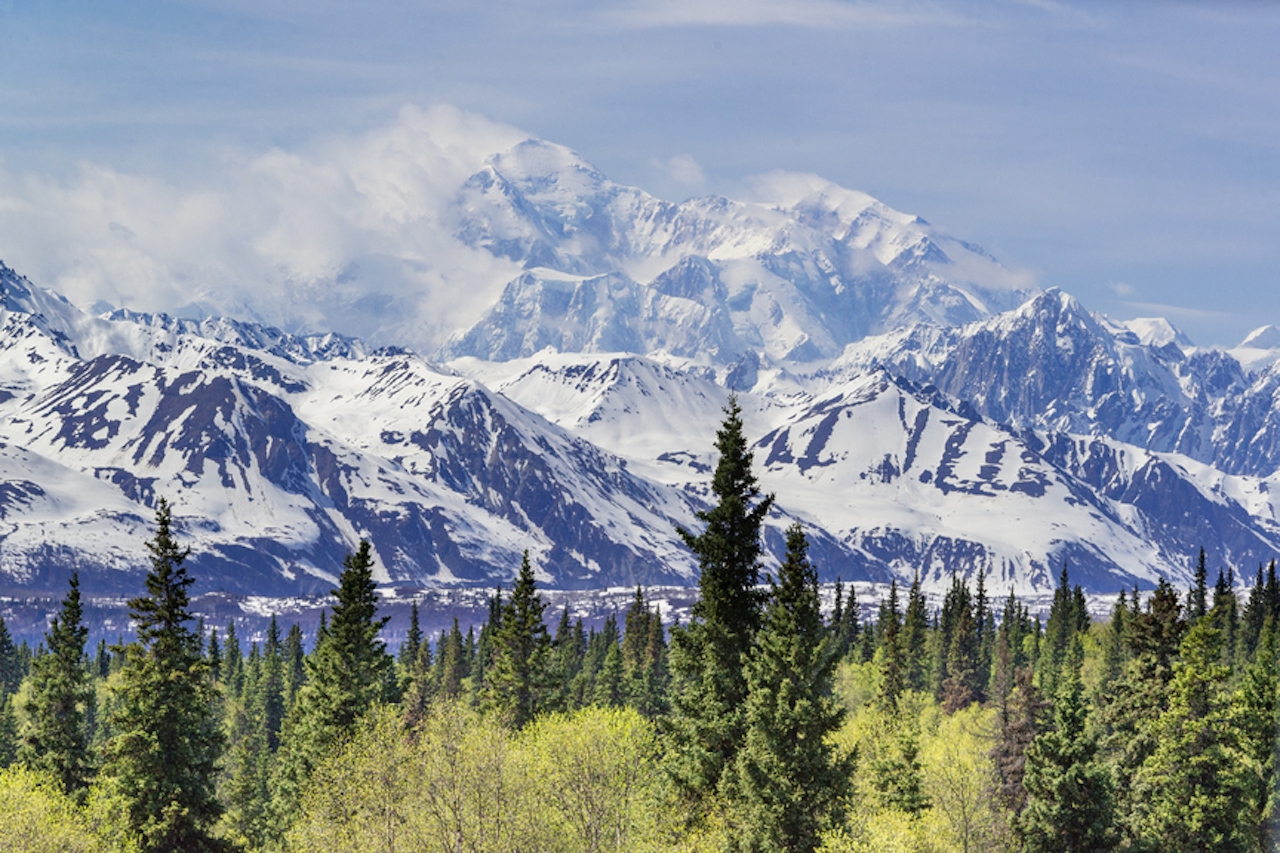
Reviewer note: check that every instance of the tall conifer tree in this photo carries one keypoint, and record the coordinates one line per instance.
(708, 686)
(787, 781)
(345, 677)
(167, 742)
(517, 678)
(56, 738)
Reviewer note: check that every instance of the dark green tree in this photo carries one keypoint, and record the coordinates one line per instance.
(345, 677)
(708, 687)
(1198, 595)
(1128, 718)
(517, 678)
(892, 666)
(167, 741)
(1069, 807)
(915, 636)
(56, 738)
(787, 782)
(451, 663)
(1192, 791)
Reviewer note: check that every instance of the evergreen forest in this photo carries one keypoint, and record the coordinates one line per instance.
(760, 724)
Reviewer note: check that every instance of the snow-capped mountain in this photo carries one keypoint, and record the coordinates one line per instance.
(795, 278)
(1052, 365)
(916, 405)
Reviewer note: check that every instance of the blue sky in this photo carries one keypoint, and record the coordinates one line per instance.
(1128, 153)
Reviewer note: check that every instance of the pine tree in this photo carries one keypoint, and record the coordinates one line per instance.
(915, 631)
(1198, 596)
(451, 663)
(1128, 719)
(10, 665)
(1253, 716)
(272, 687)
(1021, 721)
(787, 782)
(167, 742)
(295, 665)
(897, 775)
(516, 681)
(962, 687)
(1191, 792)
(706, 656)
(408, 653)
(422, 686)
(345, 677)
(56, 738)
(1069, 805)
(232, 661)
(246, 790)
(892, 667)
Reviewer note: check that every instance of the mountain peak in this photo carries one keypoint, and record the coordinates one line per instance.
(1263, 337)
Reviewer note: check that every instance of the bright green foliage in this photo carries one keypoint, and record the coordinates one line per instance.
(345, 677)
(709, 688)
(517, 678)
(1191, 793)
(957, 772)
(591, 774)
(788, 784)
(450, 787)
(1069, 795)
(39, 817)
(56, 738)
(162, 756)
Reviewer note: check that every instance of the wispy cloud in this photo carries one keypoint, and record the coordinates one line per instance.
(353, 234)
(1159, 309)
(647, 14)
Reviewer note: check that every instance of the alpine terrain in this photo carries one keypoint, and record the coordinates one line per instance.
(915, 404)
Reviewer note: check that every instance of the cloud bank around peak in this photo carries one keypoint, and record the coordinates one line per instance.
(353, 233)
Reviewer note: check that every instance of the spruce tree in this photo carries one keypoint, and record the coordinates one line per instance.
(1192, 791)
(892, 666)
(345, 677)
(516, 680)
(167, 741)
(708, 685)
(915, 635)
(1198, 596)
(1069, 806)
(451, 663)
(787, 783)
(10, 664)
(56, 738)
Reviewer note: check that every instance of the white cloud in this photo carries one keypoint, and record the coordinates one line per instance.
(683, 169)
(1122, 289)
(353, 235)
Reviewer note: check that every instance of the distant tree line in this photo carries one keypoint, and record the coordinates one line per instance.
(758, 725)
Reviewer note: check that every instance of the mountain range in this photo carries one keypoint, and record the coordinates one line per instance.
(915, 404)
